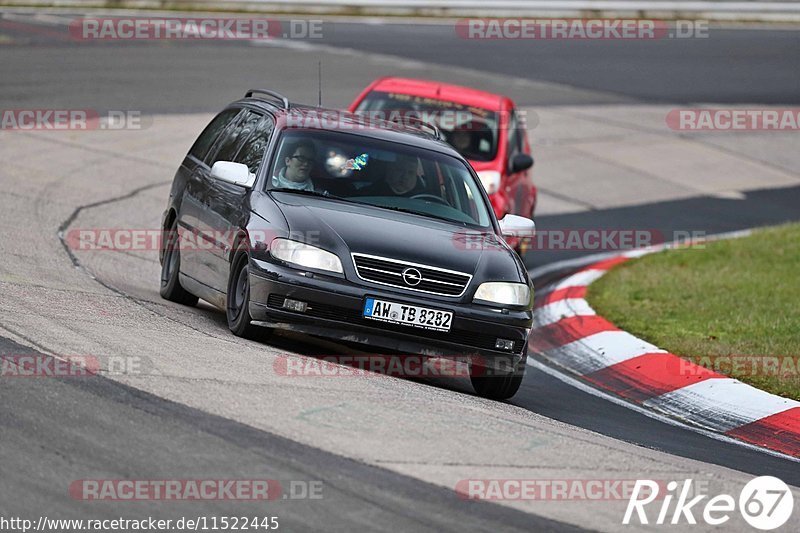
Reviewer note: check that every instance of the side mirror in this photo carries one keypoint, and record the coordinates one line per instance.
(519, 163)
(236, 173)
(516, 226)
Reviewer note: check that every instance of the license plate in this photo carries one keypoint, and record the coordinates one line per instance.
(407, 315)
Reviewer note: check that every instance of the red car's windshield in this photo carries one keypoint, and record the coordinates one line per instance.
(473, 131)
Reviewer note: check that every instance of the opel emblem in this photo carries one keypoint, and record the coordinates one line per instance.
(412, 276)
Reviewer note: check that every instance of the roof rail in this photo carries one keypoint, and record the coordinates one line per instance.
(419, 123)
(274, 94)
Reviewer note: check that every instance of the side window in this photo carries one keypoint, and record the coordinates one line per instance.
(514, 138)
(252, 151)
(233, 138)
(212, 131)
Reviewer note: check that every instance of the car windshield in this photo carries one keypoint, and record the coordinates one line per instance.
(359, 169)
(473, 131)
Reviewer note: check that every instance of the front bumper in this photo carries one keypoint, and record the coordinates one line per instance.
(335, 308)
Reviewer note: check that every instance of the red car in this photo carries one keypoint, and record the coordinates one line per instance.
(485, 128)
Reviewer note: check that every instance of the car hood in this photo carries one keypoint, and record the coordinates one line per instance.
(346, 228)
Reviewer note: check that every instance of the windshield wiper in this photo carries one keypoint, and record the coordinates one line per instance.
(326, 194)
(418, 213)
(323, 194)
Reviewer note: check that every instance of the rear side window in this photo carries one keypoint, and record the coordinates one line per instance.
(212, 131)
(252, 151)
(233, 138)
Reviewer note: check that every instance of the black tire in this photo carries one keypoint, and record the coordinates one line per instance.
(237, 307)
(171, 288)
(495, 384)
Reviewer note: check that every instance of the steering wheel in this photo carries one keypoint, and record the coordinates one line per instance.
(425, 196)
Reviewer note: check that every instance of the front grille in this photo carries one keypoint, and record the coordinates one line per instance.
(432, 280)
(353, 316)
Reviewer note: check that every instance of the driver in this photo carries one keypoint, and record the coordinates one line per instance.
(461, 140)
(401, 180)
(297, 172)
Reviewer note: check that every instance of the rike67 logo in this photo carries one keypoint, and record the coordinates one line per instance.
(765, 503)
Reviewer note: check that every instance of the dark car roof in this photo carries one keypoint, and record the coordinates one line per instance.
(328, 119)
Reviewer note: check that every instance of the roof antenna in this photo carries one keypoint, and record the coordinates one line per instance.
(319, 75)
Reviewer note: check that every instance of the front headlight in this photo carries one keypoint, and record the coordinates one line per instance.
(503, 293)
(306, 256)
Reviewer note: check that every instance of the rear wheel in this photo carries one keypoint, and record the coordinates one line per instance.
(496, 384)
(171, 288)
(238, 306)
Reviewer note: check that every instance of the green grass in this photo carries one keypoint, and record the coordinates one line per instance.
(738, 297)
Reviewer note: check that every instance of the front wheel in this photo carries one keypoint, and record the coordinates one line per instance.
(238, 306)
(496, 384)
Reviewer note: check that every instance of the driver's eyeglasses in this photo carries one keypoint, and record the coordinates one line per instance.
(302, 158)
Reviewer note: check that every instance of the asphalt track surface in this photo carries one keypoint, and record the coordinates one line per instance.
(740, 66)
(730, 66)
(159, 439)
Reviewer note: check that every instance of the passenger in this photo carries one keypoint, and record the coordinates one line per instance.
(297, 172)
